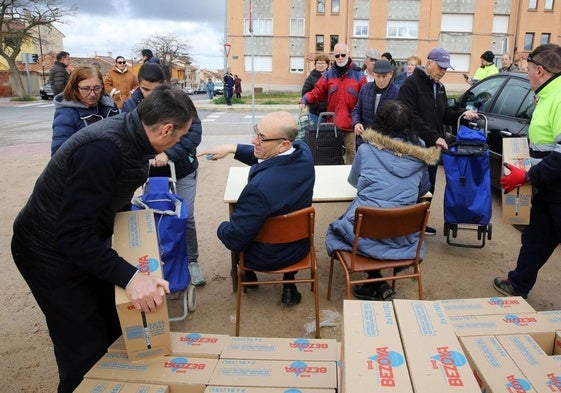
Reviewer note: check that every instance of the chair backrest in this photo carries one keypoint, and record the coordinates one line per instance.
(288, 228)
(383, 223)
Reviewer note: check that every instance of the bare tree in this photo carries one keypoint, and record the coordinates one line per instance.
(18, 18)
(167, 47)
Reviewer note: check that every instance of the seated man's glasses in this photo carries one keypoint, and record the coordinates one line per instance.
(262, 138)
(88, 89)
(343, 55)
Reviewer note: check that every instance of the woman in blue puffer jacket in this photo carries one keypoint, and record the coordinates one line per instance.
(82, 102)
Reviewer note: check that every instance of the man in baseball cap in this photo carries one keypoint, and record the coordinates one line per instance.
(441, 57)
(426, 96)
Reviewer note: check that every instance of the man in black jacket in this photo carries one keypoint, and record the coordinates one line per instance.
(59, 242)
(426, 96)
(58, 74)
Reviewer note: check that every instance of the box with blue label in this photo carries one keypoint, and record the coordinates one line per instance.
(269, 348)
(106, 386)
(373, 358)
(436, 361)
(486, 306)
(146, 334)
(494, 369)
(275, 373)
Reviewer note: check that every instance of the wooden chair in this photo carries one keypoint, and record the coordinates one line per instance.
(285, 229)
(383, 223)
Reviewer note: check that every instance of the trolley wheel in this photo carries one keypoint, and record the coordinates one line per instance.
(480, 231)
(446, 229)
(489, 231)
(191, 298)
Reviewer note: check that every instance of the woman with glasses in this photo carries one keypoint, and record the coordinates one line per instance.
(82, 102)
(120, 82)
(321, 63)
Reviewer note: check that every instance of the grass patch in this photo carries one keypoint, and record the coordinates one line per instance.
(271, 98)
(24, 98)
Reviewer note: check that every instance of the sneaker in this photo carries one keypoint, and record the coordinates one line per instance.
(197, 276)
(502, 285)
(430, 231)
(381, 291)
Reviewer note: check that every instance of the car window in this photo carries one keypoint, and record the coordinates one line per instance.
(480, 96)
(515, 100)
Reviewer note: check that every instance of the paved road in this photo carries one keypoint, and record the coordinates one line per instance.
(30, 123)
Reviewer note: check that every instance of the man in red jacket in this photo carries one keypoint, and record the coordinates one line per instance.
(340, 86)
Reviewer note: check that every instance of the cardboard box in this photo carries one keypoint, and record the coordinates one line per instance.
(493, 368)
(373, 357)
(541, 371)
(266, 348)
(106, 386)
(436, 361)
(237, 389)
(486, 306)
(533, 324)
(275, 373)
(181, 374)
(517, 203)
(147, 335)
(200, 345)
(557, 345)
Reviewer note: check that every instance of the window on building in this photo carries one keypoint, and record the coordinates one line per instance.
(528, 41)
(548, 6)
(297, 26)
(297, 65)
(319, 43)
(402, 29)
(261, 26)
(533, 4)
(360, 28)
(545, 38)
(321, 7)
(333, 40)
(260, 63)
(500, 24)
(457, 22)
(334, 6)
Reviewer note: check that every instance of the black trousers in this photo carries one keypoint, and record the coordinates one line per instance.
(80, 312)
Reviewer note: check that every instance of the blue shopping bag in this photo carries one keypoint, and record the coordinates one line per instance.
(170, 213)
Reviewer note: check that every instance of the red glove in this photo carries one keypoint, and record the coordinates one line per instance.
(516, 178)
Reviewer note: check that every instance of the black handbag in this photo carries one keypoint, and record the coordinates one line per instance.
(325, 141)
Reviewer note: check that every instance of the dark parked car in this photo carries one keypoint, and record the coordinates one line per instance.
(46, 92)
(507, 101)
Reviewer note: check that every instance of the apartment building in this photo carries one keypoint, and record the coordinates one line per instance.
(278, 39)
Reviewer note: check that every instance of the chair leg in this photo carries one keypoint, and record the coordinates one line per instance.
(238, 304)
(330, 279)
(316, 305)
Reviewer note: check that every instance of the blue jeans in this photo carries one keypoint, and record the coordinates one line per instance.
(187, 189)
(210, 94)
(228, 93)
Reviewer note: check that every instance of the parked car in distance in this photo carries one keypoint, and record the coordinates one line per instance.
(188, 90)
(46, 92)
(218, 88)
(201, 89)
(507, 101)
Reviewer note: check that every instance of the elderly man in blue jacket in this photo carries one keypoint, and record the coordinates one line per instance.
(281, 180)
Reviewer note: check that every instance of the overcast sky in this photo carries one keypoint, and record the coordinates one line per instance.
(118, 27)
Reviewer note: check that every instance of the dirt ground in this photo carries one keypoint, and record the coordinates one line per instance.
(28, 363)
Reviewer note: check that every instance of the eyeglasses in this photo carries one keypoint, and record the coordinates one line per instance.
(531, 60)
(262, 138)
(88, 89)
(343, 55)
(121, 62)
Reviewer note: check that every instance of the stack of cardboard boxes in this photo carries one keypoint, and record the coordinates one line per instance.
(462, 345)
